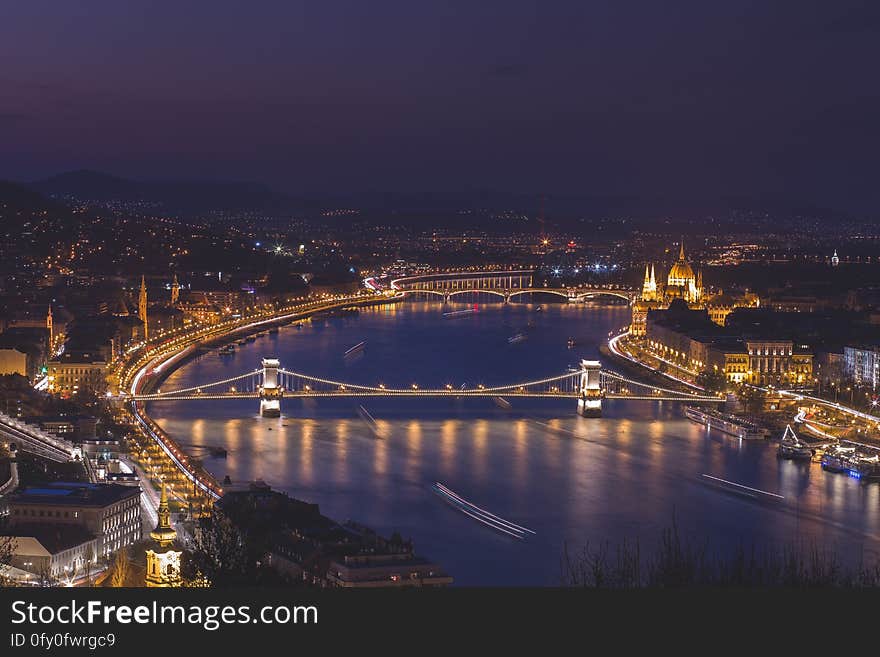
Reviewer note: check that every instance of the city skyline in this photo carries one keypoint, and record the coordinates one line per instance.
(532, 301)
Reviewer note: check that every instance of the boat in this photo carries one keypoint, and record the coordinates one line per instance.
(273, 330)
(868, 467)
(519, 337)
(730, 424)
(848, 460)
(791, 447)
(250, 338)
(359, 347)
(501, 403)
(242, 342)
(839, 458)
(539, 309)
(458, 313)
(227, 350)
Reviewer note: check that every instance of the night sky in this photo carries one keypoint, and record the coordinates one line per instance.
(644, 97)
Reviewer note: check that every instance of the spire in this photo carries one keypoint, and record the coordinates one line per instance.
(647, 278)
(164, 533)
(653, 278)
(142, 307)
(681, 251)
(175, 291)
(50, 326)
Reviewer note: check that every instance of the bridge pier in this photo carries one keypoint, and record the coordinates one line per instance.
(590, 389)
(270, 391)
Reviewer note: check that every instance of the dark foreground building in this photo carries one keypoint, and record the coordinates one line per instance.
(305, 545)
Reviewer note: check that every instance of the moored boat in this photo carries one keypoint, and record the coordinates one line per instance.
(730, 424)
(848, 460)
(791, 447)
(838, 458)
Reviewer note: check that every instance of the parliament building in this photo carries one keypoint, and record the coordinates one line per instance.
(683, 283)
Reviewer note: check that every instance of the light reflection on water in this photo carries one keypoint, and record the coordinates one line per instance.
(568, 478)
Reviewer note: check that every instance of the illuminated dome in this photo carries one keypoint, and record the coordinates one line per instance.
(681, 272)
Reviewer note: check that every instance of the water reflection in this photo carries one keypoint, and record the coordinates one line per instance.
(568, 478)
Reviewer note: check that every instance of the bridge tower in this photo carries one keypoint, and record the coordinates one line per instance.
(270, 391)
(590, 389)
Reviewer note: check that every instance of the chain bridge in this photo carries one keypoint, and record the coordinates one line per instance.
(588, 385)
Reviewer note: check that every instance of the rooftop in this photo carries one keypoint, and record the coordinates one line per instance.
(54, 538)
(74, 494)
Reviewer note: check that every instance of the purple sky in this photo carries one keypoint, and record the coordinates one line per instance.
(701, 98)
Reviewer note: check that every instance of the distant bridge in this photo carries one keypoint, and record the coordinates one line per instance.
(504, 284)
(589, 385)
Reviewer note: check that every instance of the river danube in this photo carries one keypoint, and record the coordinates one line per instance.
(571, 480)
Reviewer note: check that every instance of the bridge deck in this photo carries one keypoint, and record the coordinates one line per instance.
(423, 393)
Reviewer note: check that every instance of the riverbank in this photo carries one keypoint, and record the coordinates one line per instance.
(185, 355)
(154, 370)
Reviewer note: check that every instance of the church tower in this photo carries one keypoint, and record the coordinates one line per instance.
(175, 291)
(51, 329)
(163, 562)
(142, 308)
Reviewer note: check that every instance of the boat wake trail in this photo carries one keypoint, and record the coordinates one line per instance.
(748, 491)
(477, 513)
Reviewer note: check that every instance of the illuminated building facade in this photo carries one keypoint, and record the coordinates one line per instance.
(110, 512)
(683, 283)
(77, 372)
(686, 338)
(861, 365)
(776, 362)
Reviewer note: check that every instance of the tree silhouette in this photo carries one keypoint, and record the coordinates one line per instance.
(121, 568)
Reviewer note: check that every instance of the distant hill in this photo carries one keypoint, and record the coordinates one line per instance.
(468, 208)
(34, 219)
(19, 197)
(186, 197)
